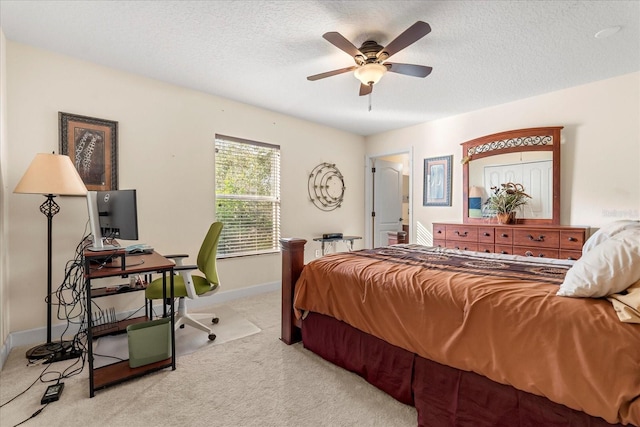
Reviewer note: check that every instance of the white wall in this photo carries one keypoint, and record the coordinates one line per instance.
(166, 152)
(4, 305)
(600, 150)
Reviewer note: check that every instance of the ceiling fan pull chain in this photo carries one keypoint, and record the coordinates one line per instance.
(370, 94)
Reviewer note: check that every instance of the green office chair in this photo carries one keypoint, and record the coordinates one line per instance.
(192, 286)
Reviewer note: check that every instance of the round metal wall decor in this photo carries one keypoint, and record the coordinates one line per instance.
(326, 187)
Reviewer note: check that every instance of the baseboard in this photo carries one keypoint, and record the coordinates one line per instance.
(38, 335)
(4, 351)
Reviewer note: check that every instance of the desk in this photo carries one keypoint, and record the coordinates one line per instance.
(123, 266)
(348, 241)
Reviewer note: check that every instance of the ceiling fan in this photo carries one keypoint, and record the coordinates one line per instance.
(371, 58)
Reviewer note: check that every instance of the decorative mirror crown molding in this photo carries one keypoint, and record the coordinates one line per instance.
(546, 139)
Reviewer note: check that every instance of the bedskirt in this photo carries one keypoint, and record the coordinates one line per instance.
(443, 396)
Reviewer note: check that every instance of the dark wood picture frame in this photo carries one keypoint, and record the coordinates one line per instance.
(92, 145)
(437, 181)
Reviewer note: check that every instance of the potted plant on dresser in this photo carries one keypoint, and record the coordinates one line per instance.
(505, 201)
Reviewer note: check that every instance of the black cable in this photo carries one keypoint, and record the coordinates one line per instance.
(20, 394)
(111, 357)
(71, 296)
(72, 307)
(35, 414)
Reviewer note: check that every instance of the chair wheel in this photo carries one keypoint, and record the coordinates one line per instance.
(212, 337)
(181, 326)
(215, 320)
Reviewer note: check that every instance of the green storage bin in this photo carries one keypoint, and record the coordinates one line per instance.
(149, 342)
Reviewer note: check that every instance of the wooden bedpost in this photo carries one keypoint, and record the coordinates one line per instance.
(292, 264)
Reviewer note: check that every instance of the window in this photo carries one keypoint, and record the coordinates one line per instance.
(247, 196)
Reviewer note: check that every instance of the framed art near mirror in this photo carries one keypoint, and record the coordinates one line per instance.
(437, 181)
(527, 157)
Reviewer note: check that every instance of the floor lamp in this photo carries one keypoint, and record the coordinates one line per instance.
(51, 175)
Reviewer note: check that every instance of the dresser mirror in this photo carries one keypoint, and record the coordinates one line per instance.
(530, 157)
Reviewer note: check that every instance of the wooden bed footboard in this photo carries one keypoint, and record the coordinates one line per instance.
(292, 264)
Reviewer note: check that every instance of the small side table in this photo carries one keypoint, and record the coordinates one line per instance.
(348, 241)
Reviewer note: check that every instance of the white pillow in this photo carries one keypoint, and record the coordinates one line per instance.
(610, 267)
(604, 233)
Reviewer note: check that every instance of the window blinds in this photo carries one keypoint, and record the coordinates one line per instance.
(247, 181)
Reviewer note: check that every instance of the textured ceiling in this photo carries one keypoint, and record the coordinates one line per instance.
(483, 53)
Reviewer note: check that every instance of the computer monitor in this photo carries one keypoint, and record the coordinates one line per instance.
(112, 215)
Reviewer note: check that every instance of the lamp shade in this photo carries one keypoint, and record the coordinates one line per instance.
(51, 174)
(370, 73)
(475, 202)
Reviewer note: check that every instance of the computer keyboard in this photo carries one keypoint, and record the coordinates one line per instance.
(139, 249)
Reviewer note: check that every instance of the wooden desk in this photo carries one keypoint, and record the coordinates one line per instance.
(104, 264)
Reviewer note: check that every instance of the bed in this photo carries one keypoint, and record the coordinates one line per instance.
(469, 339)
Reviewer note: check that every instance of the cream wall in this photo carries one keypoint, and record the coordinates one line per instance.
(600, 150)
(4, 306)
(166, 152)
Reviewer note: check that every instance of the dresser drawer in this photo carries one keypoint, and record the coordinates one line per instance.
(462, 232)
(485, 247)
(504, 249)
(504, 236)
(486, 234)
(439, 232)
(439, 243)
(464, 246)
(537, 238)
(537, 252)
(565, 254)
(572, 240)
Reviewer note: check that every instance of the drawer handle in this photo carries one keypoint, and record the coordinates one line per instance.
(461, 234)
(486, 234)
(458, 247)
(572, 239)
(571, 258)
(539, 239)
(503, 252)
(487, 251)
(528, 253)
(439, 231)
(504, 235)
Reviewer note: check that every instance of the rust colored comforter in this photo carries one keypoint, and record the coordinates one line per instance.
(494, 315)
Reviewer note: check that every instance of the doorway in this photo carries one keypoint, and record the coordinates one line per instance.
(388, 188)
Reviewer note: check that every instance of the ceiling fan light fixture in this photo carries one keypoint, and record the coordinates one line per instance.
(370, 73)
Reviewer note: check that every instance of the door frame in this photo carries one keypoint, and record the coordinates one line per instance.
(368, 194)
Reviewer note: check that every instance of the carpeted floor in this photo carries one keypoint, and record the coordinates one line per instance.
(188, 340)
(252, 381)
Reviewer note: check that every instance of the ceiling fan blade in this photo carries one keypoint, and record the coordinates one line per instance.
(341, 43)
(408, 69)
(409, 36)
(331, 73)
(365, 89)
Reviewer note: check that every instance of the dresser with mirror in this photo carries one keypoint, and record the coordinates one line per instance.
(530, 157)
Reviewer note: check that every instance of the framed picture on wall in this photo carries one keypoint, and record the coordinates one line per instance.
(437, 181)
(92, 145)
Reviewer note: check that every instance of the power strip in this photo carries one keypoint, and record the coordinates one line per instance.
(52, 394)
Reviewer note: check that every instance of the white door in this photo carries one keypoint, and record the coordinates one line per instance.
(387, 200)
(537, 179)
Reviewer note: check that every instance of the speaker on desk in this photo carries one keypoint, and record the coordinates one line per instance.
(332, 236)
